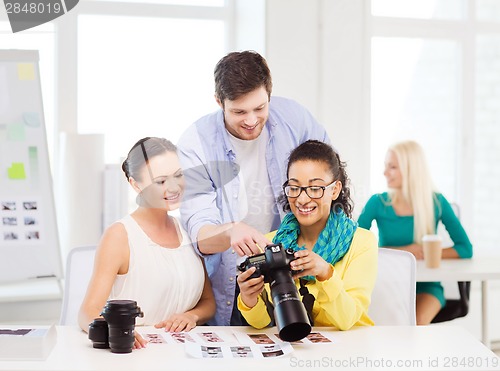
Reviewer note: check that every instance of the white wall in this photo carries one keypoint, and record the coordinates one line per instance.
(316, 55)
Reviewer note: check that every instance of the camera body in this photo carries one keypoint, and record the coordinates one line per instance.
(290, 314)
(274, 257)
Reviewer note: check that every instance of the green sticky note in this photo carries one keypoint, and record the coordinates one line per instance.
(16, 171)
(16, 132)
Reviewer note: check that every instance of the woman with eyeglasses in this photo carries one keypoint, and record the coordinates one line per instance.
(334, 259)
(147, 256)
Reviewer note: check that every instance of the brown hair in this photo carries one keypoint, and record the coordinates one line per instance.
(239, 73)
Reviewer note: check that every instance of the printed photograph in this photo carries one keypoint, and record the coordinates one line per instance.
(29, 220)
(9, 220)
(261, 339)
(293, 342)
(241, 352)
(271, 351)
(211, 352)
(32, 235)
(316, 337)
(16, 332)
(182, 337)
(30, 205)
(10, 236)
(155, 338)
(210, 337)
(8, 205)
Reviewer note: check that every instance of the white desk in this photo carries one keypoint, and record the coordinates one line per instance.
(481, 268)
(364, 348)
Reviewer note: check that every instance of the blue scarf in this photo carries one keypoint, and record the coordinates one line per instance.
(333, 241)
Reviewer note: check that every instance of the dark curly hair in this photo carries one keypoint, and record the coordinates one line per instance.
(142, 151)
(314, 150)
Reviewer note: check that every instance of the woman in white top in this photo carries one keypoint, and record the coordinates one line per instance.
(146, 256)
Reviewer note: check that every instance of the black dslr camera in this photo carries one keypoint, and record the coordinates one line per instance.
(274, 257)
(289, 311)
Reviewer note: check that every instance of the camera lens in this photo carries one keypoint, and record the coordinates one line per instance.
(289, 311)
(98, 333)
(120, 316)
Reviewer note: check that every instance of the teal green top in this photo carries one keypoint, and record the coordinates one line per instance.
(397, 231)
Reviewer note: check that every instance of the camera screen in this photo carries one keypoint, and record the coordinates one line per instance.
(256, 259)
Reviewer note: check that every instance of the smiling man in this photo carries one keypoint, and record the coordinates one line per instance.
(237, 159)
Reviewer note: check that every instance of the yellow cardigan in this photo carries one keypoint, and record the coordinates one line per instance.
(342, 301)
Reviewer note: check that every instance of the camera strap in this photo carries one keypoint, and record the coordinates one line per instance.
(307, 299)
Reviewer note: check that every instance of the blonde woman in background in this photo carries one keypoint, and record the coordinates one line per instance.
(409, 210)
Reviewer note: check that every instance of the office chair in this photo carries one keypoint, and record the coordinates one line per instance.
(79, 265)
(455, 308)
(393, 297)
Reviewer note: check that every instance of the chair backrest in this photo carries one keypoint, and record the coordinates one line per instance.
(78, 271)
(393, 297)
(455, 308)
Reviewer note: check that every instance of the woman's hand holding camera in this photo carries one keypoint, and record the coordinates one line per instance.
(308, 263)
(250, 288)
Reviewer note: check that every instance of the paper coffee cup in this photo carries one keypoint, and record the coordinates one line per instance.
(431, 244)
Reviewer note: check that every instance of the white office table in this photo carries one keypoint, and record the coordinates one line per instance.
(363, 348)
(481, 268)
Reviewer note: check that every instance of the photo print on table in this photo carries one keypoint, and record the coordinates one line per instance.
(241, 352)
(210, 337)
(316, 337)
(261, 338)
(271, 351)
(181, 337)
(211, 352)
(293, 342)
(155, 338)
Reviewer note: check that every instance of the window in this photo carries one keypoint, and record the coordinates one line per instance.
(486, 176)
(435, 79)
(416, 95)
(176, 2)
(420, 9)
(142, 77)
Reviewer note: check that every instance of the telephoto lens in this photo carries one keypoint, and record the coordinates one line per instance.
(289, 311)
(120, 316)
(98, 333)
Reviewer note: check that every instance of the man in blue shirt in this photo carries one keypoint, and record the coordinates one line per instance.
(237, 160)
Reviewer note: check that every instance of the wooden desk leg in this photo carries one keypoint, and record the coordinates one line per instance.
(485, 319)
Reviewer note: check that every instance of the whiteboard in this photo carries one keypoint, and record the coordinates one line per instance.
(29, 244)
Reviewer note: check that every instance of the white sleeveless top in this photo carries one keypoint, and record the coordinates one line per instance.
(163, 281)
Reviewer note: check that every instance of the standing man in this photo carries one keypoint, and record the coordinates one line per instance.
(235, 161)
